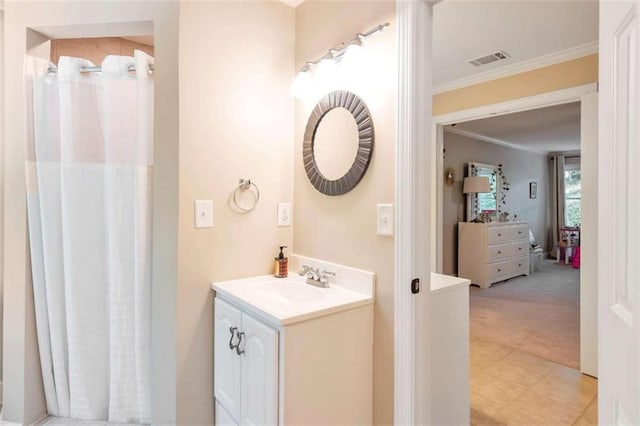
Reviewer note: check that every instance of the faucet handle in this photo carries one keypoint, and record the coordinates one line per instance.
(324, 276)
(303, 270)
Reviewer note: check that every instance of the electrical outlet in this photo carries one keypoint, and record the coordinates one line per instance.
(204, 214)
(385, 219)
(284, 214)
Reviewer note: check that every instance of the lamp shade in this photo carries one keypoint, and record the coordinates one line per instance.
(476, 184)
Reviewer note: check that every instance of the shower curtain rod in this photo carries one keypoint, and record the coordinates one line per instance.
(86, 70)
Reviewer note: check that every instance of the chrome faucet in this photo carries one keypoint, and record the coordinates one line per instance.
(315, 276)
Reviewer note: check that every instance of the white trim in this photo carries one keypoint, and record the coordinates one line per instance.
(558, 97)
(520, 67)
(413, 150)
(478, 136)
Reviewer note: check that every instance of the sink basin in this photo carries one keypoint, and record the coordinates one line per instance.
(285, 291)
(288, 300)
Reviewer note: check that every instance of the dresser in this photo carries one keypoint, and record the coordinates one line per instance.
(492, 252)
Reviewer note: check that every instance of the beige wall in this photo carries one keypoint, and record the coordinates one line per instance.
(542, 80)
(520, 167)
(95, 49)
(343, 229)
(22, 399)
(236, 121)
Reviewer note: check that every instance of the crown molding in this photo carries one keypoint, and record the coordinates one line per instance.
(520, 67)
(488, 139)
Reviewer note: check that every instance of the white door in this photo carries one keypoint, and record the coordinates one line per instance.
(227, 361)
(619, 214)
(259, 373)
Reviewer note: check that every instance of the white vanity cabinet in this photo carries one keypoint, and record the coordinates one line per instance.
(288, 353)
(492, 252)
(246, 368)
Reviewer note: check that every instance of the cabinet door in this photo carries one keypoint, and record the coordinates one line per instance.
(259, 373)
(227, 363)
(222, 417)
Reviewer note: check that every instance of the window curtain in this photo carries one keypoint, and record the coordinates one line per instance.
(557, 200)
(89, 174)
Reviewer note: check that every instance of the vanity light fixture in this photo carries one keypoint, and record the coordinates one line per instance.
(327, 64)
(303, 82)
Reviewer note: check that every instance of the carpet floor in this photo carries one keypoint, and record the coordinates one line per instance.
(539, 313)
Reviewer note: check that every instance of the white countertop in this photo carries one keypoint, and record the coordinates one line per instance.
(440, 283)
(288, 300)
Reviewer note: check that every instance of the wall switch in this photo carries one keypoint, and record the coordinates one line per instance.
(385, 219)
(204, 214)
(284, 214)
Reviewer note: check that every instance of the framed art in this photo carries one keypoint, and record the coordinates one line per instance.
(533, 189)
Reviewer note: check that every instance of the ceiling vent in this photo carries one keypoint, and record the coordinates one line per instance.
(487, 59)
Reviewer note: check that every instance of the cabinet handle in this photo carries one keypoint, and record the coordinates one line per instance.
(519, 232)
(519, 248)
(233, 330)
(499, 252)
(519, 264)
(499, 235)
(499, 270)
(238, 350)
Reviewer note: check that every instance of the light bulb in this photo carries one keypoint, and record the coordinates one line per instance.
(325, 75)
(302, 84)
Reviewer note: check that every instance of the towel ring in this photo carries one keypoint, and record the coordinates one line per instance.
(245, 185)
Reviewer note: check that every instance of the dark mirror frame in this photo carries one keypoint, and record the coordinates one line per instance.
(360, 113)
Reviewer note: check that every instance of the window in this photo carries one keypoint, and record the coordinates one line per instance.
(572, 197)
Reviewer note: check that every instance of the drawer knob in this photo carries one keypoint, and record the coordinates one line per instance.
(499, 270)
(519, 232)
(519, 248)
(499, 234)
(499, 252)
(519, 264)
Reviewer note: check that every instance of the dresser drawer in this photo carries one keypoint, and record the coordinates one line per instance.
(519, 265)
(499, 269)
(498, 234)
(520, 232)
(499, 251)
(520, 248)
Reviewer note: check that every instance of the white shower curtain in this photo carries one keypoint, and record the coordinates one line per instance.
(89, 175)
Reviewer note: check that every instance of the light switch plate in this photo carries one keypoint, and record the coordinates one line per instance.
(385, 219)
(204, 214)
(284, 214)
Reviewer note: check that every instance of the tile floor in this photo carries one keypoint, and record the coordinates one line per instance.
(513, 387)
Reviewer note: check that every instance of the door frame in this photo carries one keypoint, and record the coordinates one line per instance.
(412, 214)
(418, 189)
(588, 340)
(558, 97)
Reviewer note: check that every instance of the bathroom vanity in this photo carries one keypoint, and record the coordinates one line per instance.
(287, 352)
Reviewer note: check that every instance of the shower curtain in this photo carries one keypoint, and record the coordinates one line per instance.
(89, 174)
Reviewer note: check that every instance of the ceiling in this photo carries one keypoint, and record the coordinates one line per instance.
(544, 130)
(525, 29)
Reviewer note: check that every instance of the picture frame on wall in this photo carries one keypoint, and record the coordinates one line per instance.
(533, 189)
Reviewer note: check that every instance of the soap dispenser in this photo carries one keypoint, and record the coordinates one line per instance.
(282, 264)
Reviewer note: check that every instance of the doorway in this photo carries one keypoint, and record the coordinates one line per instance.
(510, 318)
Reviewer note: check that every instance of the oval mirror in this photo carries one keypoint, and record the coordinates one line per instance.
(338, 143)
